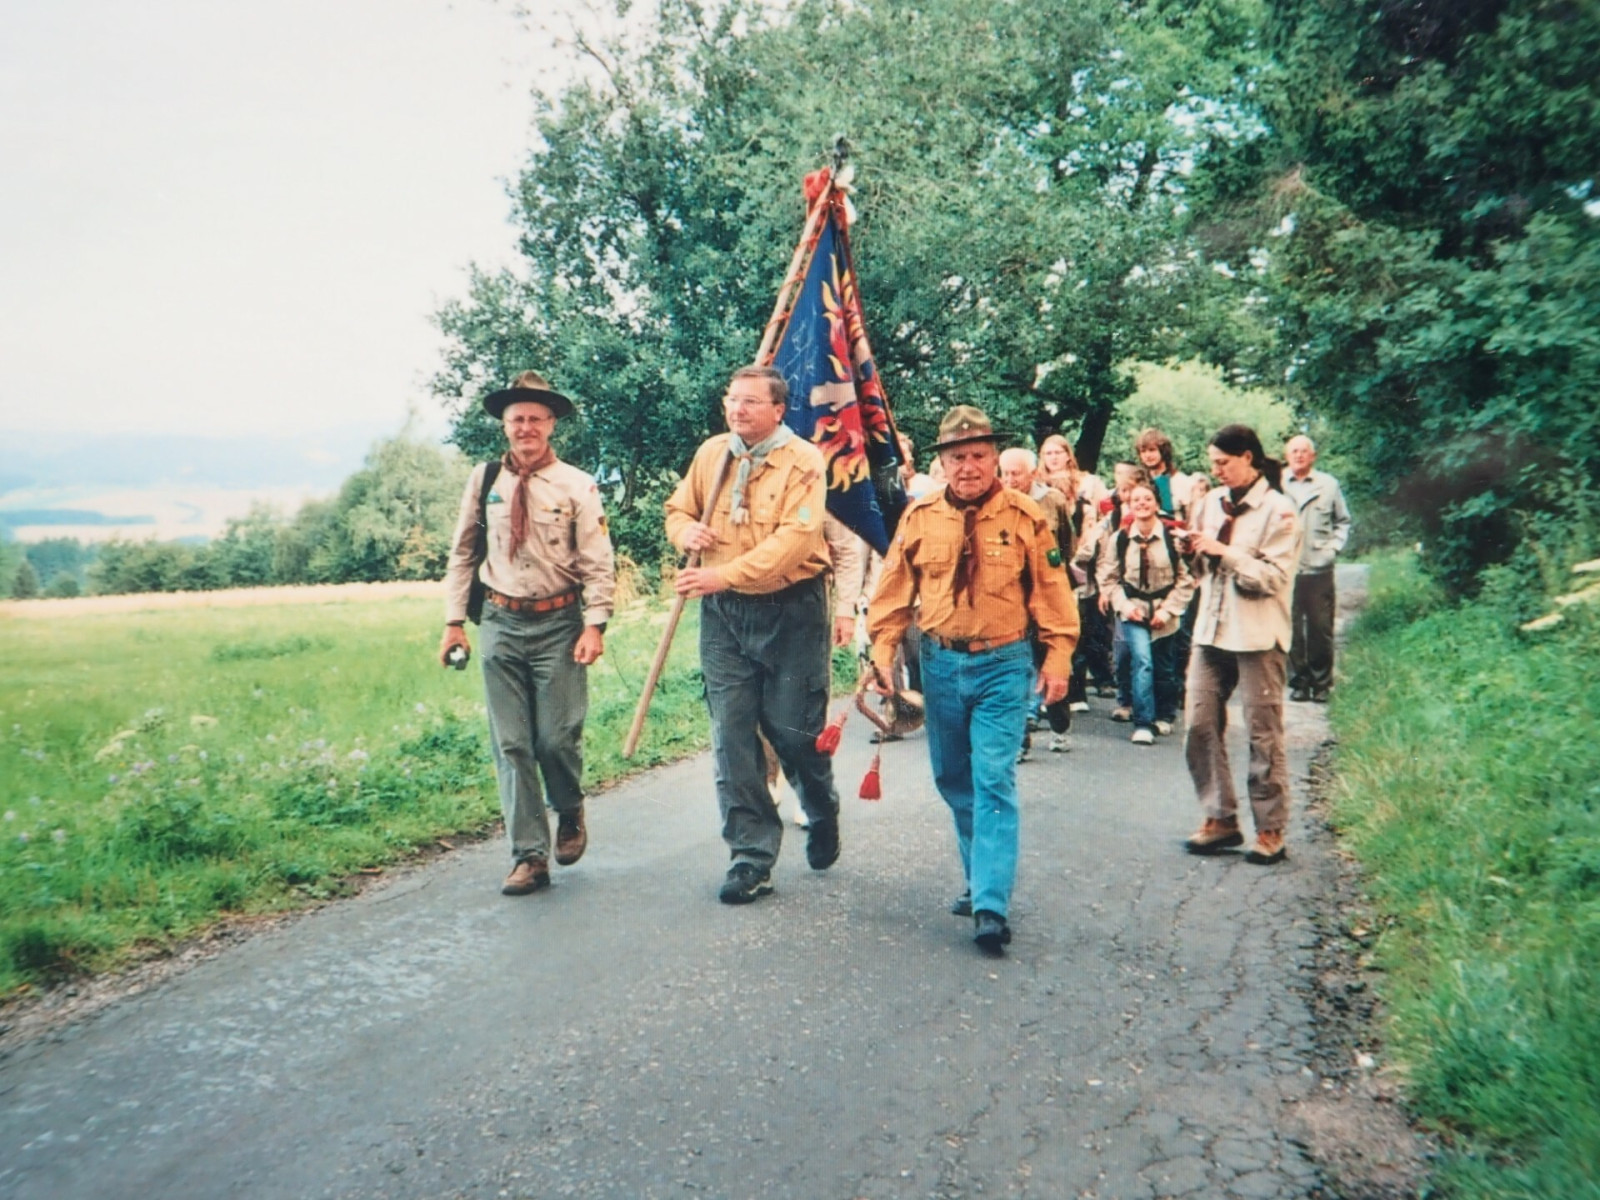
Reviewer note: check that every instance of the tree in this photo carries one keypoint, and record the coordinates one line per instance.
(1022, 231)
(25, 583)
(393, 518)
(1437, 259)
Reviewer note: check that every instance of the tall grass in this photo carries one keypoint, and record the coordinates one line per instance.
(158, 769)
(1469, 786)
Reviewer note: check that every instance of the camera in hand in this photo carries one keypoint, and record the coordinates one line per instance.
(457, 657)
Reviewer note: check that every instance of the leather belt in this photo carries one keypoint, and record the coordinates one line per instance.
(526, 604)
(975, 645)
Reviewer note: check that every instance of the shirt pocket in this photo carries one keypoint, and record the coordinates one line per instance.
(551, 529)
(936, 560)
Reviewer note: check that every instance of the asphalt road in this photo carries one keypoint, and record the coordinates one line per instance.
(625, 1035)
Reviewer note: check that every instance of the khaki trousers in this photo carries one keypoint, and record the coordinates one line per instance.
(1259, 677)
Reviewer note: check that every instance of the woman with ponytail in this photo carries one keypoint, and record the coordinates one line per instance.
(1245, 542)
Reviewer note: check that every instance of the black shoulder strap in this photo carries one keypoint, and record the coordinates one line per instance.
(491, 472)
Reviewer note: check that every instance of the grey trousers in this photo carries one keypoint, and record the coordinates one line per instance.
(1259, 675)
(537, 699)
(765, 660)
(1311, 651)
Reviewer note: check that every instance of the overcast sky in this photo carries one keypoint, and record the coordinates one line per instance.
(227, 217)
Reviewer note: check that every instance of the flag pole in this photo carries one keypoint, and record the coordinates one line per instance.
(769, 340)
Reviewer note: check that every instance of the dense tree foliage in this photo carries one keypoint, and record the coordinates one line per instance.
(1437, 265)
(1022, 232)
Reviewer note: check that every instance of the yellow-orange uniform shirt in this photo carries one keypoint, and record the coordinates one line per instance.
(782, 543)
(1021, 576)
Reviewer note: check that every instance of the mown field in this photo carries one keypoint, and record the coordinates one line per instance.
(161, 768)
(1469, 787)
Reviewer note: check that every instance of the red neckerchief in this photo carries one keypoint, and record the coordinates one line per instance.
(519, 495)
(967, 565)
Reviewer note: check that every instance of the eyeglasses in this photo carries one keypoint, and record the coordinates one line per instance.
(745, 402)
(518, 422)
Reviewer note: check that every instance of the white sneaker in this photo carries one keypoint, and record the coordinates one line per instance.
(1164, 728)
(1060, 743)
(1143, 737)
(1079, 706)
(800, 818)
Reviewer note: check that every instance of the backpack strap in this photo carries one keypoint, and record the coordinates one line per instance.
(475, 596)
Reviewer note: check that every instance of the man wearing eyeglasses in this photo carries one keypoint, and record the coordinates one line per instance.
(543, 559)
(764, 624)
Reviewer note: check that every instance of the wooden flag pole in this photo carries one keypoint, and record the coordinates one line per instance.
(769, 340)
(642, 709)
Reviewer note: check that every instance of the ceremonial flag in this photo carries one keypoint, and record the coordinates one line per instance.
(836, 399)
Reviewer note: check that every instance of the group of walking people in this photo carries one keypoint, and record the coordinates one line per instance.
(1022, 580)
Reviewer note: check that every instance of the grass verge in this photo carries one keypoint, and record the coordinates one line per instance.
(158, 769)
(1469, 787)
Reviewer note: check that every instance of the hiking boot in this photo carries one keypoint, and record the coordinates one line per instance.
(1268, 849)
(1122, 713)
(1300, 695)
(1319, 696)
(572, 837)
(745, 882)
(1143, 737)
(529, 875)
(990, 931)
(822, 843)
(961, 906)
(1214, 837)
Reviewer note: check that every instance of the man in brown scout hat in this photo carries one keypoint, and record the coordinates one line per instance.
(985, 565)
(532, 541)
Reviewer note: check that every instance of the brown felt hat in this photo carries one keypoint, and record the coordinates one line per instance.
(532, 387)
(963, 424)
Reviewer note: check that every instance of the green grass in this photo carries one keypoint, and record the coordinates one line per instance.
(1469, 787)
(159, 769)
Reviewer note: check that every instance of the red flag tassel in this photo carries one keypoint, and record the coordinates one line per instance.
(828, 739)
(872, 782)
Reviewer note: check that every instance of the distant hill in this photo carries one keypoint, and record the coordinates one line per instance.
(167, 486)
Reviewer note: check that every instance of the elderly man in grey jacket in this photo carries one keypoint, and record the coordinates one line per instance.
(1326, 524)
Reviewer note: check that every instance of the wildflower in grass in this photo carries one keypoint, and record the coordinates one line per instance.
(358, 755)
(421, 707)
(23, 837)
(272, 737)
(113, 779)
(204, 756)
(10, 815)
(58, 836)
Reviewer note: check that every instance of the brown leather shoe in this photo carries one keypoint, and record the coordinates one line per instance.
(572, 838)
(1215, 836)
(529, 875)
(1269, 848)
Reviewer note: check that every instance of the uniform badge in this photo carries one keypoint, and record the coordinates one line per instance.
(494, 498)
(1005, 537)
(1053, 557)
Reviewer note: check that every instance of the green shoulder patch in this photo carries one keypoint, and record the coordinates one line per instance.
(1053, 557)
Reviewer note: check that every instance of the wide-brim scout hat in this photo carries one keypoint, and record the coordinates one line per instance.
(530, 387)
(964, 424)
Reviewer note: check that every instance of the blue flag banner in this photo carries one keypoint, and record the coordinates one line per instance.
(836, 399)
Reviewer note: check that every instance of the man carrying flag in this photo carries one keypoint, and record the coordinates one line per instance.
(764, 623)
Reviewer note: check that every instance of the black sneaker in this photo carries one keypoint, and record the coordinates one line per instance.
(961, 906)
(745, 882)
(1300, 695)
(822, 844)
(990, 931)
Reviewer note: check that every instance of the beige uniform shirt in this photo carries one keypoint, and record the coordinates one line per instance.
(568, 546)
(782, 543)
(1115, 579)
(1245, 596)
(1020, 578)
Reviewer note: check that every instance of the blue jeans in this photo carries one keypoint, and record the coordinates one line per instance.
(1141, 672)
(977, 705)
